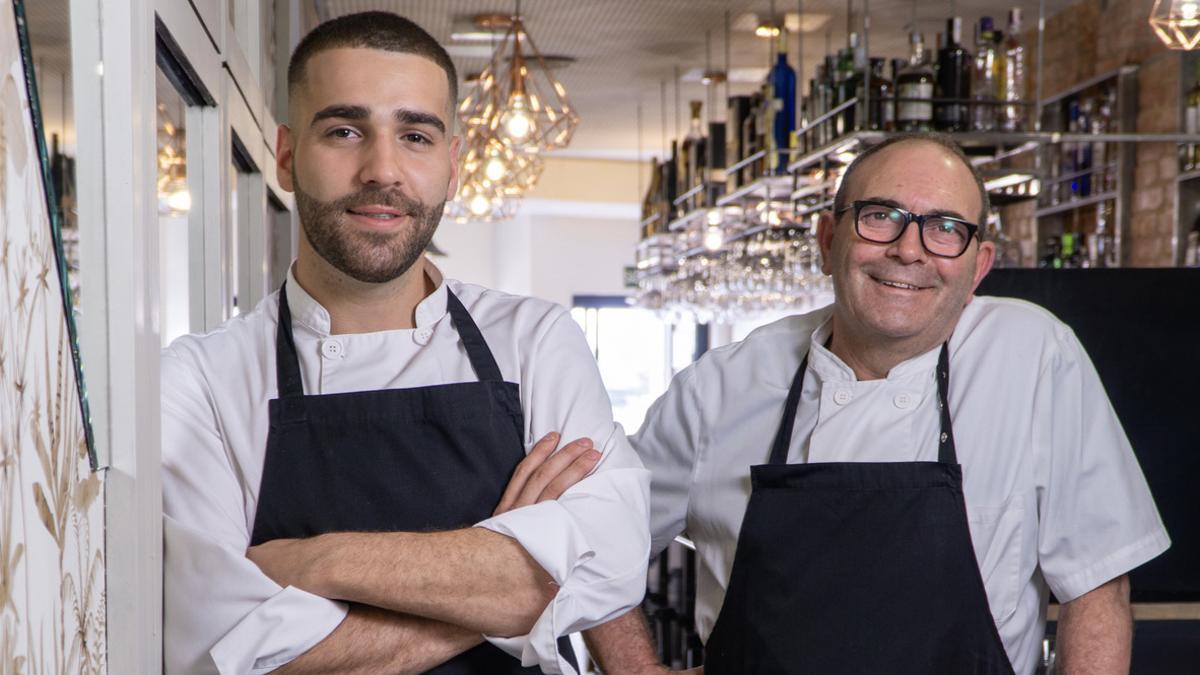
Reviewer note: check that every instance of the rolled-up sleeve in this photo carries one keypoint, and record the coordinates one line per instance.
(593, 541)
(221, 614)
(1097, 519)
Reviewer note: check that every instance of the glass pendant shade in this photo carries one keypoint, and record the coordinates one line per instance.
(518, 100)
(492, 178)
(1177, 23)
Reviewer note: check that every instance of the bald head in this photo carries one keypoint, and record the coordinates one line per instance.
(849, 190)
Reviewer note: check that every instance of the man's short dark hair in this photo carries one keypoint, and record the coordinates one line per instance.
(372, 30)
(839, 200)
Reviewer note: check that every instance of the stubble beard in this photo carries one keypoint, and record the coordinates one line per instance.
(369, 257)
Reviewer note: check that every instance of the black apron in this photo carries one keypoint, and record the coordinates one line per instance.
(856, 567)
(411, 460)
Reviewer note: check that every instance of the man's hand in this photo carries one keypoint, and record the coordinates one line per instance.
(545, 474)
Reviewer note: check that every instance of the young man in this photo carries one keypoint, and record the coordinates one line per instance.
(890, 484)
(346, 479)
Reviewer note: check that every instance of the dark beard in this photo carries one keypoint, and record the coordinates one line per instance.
(370, 257)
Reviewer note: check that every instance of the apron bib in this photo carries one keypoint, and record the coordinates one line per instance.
(418, 459)
(856, 567)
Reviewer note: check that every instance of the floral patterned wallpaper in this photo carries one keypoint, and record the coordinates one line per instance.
(52, 593)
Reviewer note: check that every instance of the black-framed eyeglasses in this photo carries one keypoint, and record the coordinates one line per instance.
(942, 236)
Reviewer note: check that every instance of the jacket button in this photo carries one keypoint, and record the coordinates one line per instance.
(842, 397)
(331, 349)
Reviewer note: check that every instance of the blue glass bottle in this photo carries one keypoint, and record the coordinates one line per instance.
(782, 79)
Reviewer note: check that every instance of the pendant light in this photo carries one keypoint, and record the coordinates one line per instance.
(1177, 23)
(518, 99)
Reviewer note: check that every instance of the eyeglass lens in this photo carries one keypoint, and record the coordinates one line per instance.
(883, 225)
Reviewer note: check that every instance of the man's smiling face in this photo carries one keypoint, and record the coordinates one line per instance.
(900, 292)
(370, 156)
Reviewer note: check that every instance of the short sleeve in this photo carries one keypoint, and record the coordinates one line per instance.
(1097, 518)
(668, 445)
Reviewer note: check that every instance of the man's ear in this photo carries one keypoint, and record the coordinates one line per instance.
(284, 154)
(983, 262)
(825, 226)
(455, 167)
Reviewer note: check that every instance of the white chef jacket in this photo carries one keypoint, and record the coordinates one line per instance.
(222, 614)
(1052, 487)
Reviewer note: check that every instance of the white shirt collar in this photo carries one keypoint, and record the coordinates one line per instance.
(308, 312)
(830, 367)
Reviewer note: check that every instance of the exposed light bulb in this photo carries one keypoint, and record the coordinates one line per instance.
(1188, 11)
(494, 169)
(714, 217)
(517, 122)
(479, 205)
(714, 238)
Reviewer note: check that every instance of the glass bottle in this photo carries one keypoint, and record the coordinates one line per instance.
(1070, 156)
(829, 92)
(914, 89)
(985, 83)
(735, 140)
(1191, 118)
(783, 90)
(883, 108)
(953, 80)
(1083, 150)
(651, 199)
(1014, 73)
(1101, 123)
(693, 155)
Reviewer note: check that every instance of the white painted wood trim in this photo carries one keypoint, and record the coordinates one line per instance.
(187, 31)
(122, 322)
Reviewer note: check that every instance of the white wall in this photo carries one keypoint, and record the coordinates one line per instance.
(551, 249)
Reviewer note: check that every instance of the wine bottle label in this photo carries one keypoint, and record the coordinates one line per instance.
(914, 111)
(1192, 120)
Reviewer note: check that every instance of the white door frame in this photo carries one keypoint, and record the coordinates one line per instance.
(114, 76)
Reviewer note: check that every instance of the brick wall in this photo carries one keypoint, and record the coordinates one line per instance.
(1094, 37)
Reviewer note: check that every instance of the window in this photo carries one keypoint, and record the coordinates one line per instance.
(637, 351)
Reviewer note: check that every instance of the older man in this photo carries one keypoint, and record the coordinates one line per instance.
(358, 429)
(890, 484)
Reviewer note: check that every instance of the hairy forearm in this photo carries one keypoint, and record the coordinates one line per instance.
(373, 640)
(474, 578)
(1095, 631)
(623, 645)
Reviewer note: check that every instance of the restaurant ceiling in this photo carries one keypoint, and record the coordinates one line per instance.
(624, 50)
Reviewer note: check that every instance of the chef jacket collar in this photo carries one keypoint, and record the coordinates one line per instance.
(309, 313)
(830, 367)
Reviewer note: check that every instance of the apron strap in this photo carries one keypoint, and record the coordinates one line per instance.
(946, 452)
(783, 437)
(477, 348)
(287, 363)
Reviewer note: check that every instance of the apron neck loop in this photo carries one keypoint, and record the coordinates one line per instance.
(946, 451)
(478, 351)
(287, 364)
